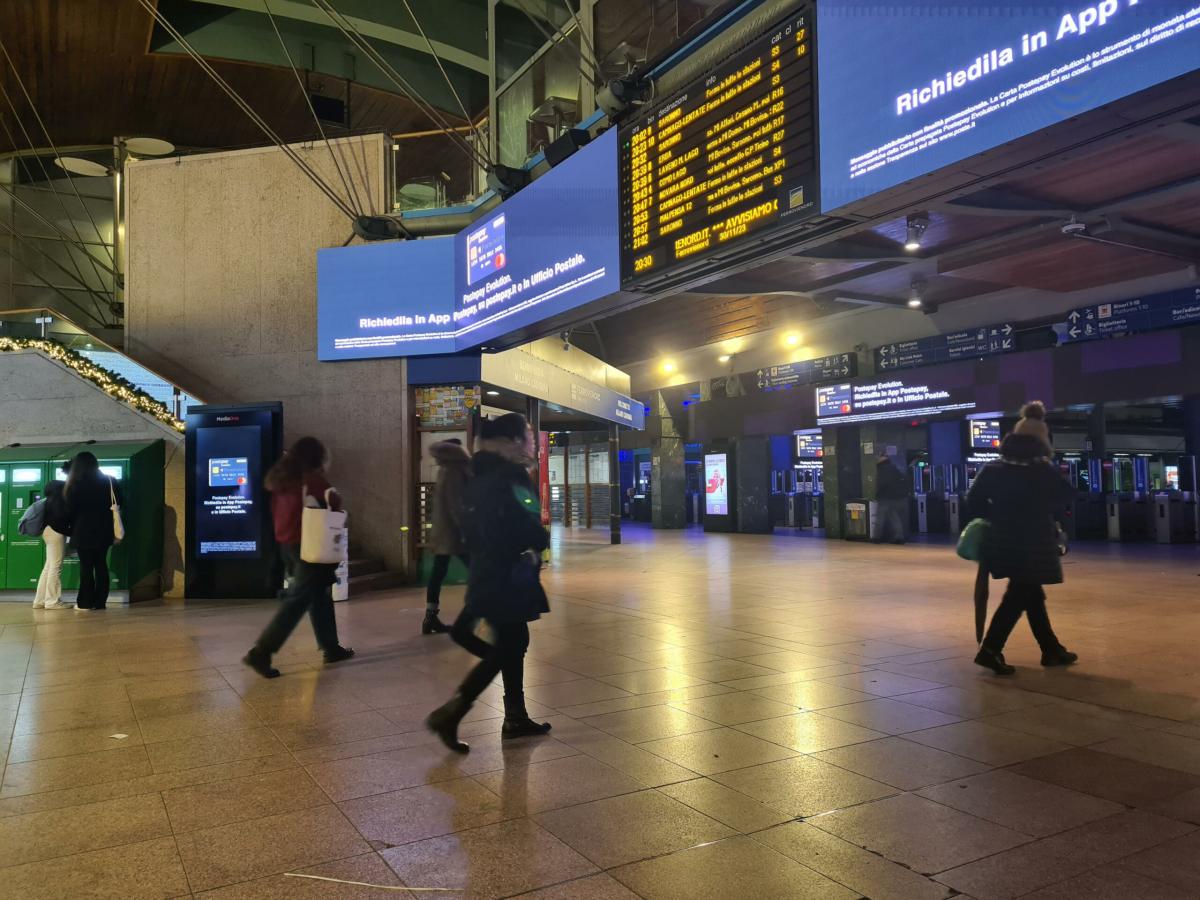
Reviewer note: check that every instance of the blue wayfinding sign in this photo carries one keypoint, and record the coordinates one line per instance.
(1171, 309)
(986, 340)
(809, 371)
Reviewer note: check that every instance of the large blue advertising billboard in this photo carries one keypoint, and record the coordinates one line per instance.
(549, 249)
(907, 88)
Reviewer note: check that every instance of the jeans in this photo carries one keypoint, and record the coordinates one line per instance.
(1021, 597)
(49, 588)
(891, 520)
(93, 578)
(433, 593)
(505, 657)
(306, 590)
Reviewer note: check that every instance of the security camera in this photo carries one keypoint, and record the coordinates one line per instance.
(1073, 228)
(566, 339)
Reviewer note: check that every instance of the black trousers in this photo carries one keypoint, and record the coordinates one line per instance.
(307, 590)
(93, 579)
(433, 592)
(1021, 597)
(506, 657)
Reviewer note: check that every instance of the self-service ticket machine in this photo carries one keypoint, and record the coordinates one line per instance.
(720, 489)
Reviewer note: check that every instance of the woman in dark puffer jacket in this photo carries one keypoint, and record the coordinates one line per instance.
(1020, 495)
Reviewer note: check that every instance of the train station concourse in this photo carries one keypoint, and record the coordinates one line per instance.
(599, 449)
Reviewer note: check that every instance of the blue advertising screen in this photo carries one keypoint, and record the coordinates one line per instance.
(388, 299)
(908, 88)
(548, 249)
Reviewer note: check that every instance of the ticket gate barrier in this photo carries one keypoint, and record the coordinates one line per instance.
(932, 514)
(955, 508)
(1086, 519)
(1130, 517)
(799, 509)
(777, 506)
(818, 510)
(1174, 518)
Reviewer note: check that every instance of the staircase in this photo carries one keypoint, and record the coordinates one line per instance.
(367, 575)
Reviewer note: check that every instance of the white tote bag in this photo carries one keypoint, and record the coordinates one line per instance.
(118, 525)
(322, 533)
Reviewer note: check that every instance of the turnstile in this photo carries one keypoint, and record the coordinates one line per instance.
(1130, 517)
(954, 512)
(932, 517)
(1174, 519)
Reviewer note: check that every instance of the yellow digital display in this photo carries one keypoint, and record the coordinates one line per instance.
(726, 157)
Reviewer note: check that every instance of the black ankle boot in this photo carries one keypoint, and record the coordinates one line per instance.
(990, 659)
(1059, 656)
(444, 722)
(517, 723)
(433, 625)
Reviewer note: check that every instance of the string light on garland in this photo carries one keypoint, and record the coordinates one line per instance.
(109, 382)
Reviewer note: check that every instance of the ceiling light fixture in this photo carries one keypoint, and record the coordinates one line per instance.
(918, 224)
(792, 339)
(493, 393)
(915, 300)
(724, 359)
(668, 366)
(78, 166)
(148, 146)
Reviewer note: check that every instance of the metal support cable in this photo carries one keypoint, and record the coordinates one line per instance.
(49, 140)
(246, 108)
(99, 320)
(450, 84)
(583, 39)
(57, 196)
(360, 168)
(558, 40)
(83, 285)
(364, 46)
(351, 193)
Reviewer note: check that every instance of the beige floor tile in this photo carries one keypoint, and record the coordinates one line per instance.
(72, 741)
(882, 684)
(593, 887)
(1114, 778)
(1169, 751)
(986, 743)
(217, 803)
(1111, 883)
(367, 869)
(944, 838)
(79, 829)
(810, 695)
(601, 830)
(480, 862)
(890, 716)
(1057, 723)
(790, 661)
(572, 693)
(901, 763)
(417, 813)
(1022, 804)
(977, 700)
(354, 727)
(639, 701)
(719, 750)
(345, 779)
(1175, 862)
(734, 709)
(1185, 807)
(721, 669)
(739, 812)
(99, 714)
(1017, 872)
(648, 681)
(180, 704)
(738, 867)
(74, 771)
(648, 723)
(231, 853)
(208, 750)
(803, 786)
(809, 732)
(557, 783)
(648, 769)
(868, 874)
(148, 870)
(198, 724)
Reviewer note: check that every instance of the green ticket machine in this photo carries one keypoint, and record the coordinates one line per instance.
(135, 563)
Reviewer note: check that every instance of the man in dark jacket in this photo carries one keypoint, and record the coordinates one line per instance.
(446, 535)
(1019, 495)
(891, 503)
(505, 537)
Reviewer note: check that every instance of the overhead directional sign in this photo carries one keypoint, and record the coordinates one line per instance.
(1171, 309)
(809, 371)
(987, 340)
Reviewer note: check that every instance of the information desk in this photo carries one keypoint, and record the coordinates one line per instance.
(729, 156)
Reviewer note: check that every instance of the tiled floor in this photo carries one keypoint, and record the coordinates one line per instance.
(734, 717)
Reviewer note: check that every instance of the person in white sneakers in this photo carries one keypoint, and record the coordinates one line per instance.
(54, 535)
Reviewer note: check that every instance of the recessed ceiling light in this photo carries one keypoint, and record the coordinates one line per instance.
(668, 366)
(915, 303)
(724, 359)
(917, 226)
(493, 393)
(792, 339)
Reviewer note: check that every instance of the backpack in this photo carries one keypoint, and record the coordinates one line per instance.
(33, 523)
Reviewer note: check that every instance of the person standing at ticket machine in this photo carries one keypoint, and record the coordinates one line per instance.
(299, 478)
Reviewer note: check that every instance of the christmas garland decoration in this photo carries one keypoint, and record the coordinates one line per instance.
(109, 382)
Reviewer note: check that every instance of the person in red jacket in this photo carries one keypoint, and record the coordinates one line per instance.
(299, 476)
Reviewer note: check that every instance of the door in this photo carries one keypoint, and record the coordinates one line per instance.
(3, 526)
(25, 554)
(118, 471)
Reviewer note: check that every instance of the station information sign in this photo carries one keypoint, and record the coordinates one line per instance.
(731, 155)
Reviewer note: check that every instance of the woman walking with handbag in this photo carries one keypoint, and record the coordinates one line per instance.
(1019, 496)
(299, 478)
(505, 538)
(93, 502)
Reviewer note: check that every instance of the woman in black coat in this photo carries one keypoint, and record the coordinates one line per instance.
(505, 537)
(1020, 496)
(89, 496)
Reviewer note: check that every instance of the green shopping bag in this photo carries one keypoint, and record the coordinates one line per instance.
(970, 542)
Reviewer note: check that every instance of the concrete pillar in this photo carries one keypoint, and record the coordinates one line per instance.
(614, 486)
(668, 484)
(753, 480)
(1098, 431)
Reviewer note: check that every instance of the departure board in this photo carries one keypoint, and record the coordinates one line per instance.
(729, 156)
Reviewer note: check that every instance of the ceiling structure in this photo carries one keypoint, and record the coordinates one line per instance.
(99, 68)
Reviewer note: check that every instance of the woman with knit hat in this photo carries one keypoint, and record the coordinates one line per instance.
(1019, 495)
